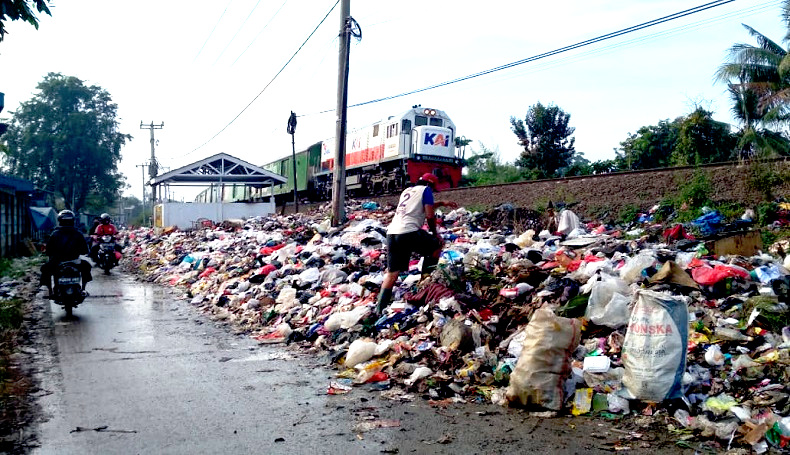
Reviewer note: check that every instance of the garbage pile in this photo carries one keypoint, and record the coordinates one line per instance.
(594, 321)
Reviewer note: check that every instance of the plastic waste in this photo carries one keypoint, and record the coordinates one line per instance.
(719, 405)
(617, 403)
(779, 434)
(419, 373)
(729, 334)
(361, 350)
(608, 303)
(632, 270)
(582, 401)
(346, 319)
(714, 356)
(597, 364)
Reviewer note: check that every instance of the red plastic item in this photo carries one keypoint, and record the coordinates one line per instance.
(378, 377)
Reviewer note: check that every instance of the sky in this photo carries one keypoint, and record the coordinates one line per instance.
(217, 73)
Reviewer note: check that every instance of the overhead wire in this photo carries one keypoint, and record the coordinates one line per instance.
(237, 32)
(607, 36)
(270, 82)
(642, 39)
(212, 30)
(259, 33)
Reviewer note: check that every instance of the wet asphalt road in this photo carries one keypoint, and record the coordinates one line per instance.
(155, 376)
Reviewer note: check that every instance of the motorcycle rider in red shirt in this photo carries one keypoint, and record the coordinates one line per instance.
(104, 228)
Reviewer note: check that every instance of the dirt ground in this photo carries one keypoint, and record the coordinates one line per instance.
(20, 355)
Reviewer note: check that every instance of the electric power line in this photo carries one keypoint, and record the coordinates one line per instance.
(580, 44)
(259, 33)
(271, 81)
(237, 32)
(610, 48)
(212, 30)
(560, 50)
(642, 39)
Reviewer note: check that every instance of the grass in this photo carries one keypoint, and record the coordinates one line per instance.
(14, 384)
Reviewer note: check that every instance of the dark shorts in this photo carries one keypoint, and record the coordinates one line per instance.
(401, 246)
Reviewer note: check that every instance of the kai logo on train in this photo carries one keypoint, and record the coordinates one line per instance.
(437, 139)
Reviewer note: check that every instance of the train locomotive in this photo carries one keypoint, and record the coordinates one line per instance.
(382, 158)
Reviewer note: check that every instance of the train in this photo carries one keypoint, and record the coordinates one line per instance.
(382, 158)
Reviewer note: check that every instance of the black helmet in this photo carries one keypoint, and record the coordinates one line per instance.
(66, 218)
(105, 218)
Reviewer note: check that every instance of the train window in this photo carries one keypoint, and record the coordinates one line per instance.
(375, 130)
(420, 120)
(406, 126)
(436, 122)
(392, 130)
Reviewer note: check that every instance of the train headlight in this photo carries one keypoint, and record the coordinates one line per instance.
(429, 112)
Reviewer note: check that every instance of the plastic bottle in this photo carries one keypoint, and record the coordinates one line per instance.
(728, 334)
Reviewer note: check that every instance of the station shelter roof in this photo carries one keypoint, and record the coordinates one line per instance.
(220, 168)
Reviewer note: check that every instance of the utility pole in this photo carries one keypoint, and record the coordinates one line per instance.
(339, 174)
(143, 169)
(292, 130)
(153, 168)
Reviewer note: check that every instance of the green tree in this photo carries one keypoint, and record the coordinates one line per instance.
(650, 148)
(66, 141)
(546, 138)
(484, 167)
(579, 165)
(603, 166)
(702, 140)
(20, 10)
(691, 139)
(758, 79)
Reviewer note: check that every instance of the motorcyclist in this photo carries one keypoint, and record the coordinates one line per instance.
(65, 244)
(105, 227)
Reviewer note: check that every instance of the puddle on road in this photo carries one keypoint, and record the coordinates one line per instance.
(262, 356)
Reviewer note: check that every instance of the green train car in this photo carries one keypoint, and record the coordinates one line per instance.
(307, 163)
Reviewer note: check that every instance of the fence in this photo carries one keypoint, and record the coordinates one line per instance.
(16, 224)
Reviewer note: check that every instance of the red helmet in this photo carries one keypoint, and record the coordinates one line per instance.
(428, 177)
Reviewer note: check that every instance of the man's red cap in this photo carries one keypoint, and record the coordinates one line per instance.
(428, 177)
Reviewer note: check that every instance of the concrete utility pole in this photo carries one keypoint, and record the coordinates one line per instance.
(339, 174)
(143, 169)
(292, 130)
(153, 168)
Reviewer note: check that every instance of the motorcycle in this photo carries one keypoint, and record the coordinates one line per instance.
(68, 285)
(106, 256)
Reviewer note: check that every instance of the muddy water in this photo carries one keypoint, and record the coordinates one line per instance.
(138, 371)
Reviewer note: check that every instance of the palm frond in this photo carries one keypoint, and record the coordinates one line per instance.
(765, 42)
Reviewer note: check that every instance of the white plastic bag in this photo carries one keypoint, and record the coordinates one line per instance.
(654, 349)
(361, 350)
(568, 222)
(608, 303)
(346, 319)
(632, 270)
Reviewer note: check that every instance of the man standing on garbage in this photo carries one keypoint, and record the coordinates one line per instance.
(406, 236)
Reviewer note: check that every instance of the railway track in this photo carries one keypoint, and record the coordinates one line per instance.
(610, 192)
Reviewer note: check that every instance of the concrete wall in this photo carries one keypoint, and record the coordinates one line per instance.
(186, 215)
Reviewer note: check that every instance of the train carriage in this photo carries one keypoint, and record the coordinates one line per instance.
(382, 158)
(387, 155)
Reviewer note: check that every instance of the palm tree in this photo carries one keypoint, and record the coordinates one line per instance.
(758, 79)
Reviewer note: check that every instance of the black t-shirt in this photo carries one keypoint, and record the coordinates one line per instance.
(65, 244)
